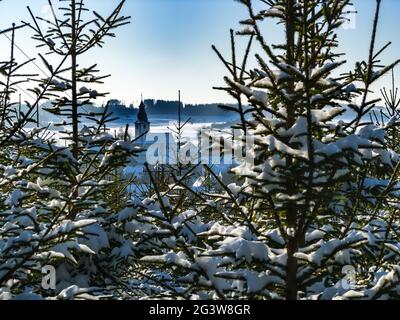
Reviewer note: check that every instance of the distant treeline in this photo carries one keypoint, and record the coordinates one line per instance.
(153, 108)
(170, 108)
(162, 107)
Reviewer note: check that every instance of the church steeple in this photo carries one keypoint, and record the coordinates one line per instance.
(142, 124)
(142, 114)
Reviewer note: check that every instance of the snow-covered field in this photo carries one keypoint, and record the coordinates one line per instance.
(158, 125)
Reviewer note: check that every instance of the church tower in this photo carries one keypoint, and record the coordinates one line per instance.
(142, 125)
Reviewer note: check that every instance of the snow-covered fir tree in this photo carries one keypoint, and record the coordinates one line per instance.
(55, 204)
(313, 212)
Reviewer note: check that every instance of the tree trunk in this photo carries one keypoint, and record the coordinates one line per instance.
(291, 270)
(74, 102)
(291, 215)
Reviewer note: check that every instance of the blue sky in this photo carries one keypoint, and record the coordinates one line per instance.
(167, 46)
